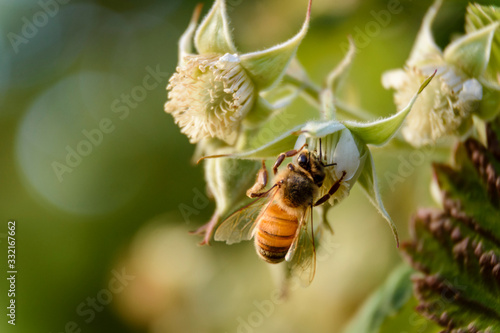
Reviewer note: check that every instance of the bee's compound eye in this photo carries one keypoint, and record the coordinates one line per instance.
(302, 160)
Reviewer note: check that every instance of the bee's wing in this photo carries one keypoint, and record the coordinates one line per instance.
(240, 224)
(302, 254)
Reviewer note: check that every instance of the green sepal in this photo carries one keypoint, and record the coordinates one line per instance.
(228, 179)
(268, 66)
(336, 77)
(328, 109)
(471, 52)
(186, 40)
(368, 181)
(287, 140)
(379, 132)
(478, 17)
(273, 148)
(425, 47)
(214, 35)
(489, 106)
(319, 129)
(334, 81)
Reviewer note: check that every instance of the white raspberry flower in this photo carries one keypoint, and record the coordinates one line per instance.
(446, 107)
(209, 96)
(214, 90)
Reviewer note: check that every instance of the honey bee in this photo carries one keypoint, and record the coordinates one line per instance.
(277, 218)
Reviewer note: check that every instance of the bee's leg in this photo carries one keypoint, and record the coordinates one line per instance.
(282, 157)
(207, 229)
(263, 194)
(260, 182)
(332, 190)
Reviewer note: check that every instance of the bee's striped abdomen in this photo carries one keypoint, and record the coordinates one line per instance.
(274, 233)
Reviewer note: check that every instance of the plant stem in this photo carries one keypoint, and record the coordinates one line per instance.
(308, 88)
(313, 93)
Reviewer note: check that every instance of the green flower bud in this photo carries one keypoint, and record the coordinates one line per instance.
(228, 180)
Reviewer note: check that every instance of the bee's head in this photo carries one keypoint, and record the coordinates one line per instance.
(310, 163)
(303, 160)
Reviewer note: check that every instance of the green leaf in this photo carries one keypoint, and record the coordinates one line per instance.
(425, 48)
(457, 248)
(186, 40)
(214, 35)
(379, 132)
(478, 17)
(471, 53)
(368, 181)
(267, 67)
(391, 308)
(408, 321)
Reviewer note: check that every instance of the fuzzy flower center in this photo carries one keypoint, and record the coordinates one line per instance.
(444, 107)
(209, 96)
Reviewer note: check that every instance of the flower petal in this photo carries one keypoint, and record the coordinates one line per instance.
(268, 66)
(425, 47)
(368, 181)
(394, 79)
(186, 40)
(346, 156)
(471, 53)
(213, 34)
(379, 132)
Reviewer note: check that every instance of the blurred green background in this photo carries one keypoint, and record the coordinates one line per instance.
(85, 70)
